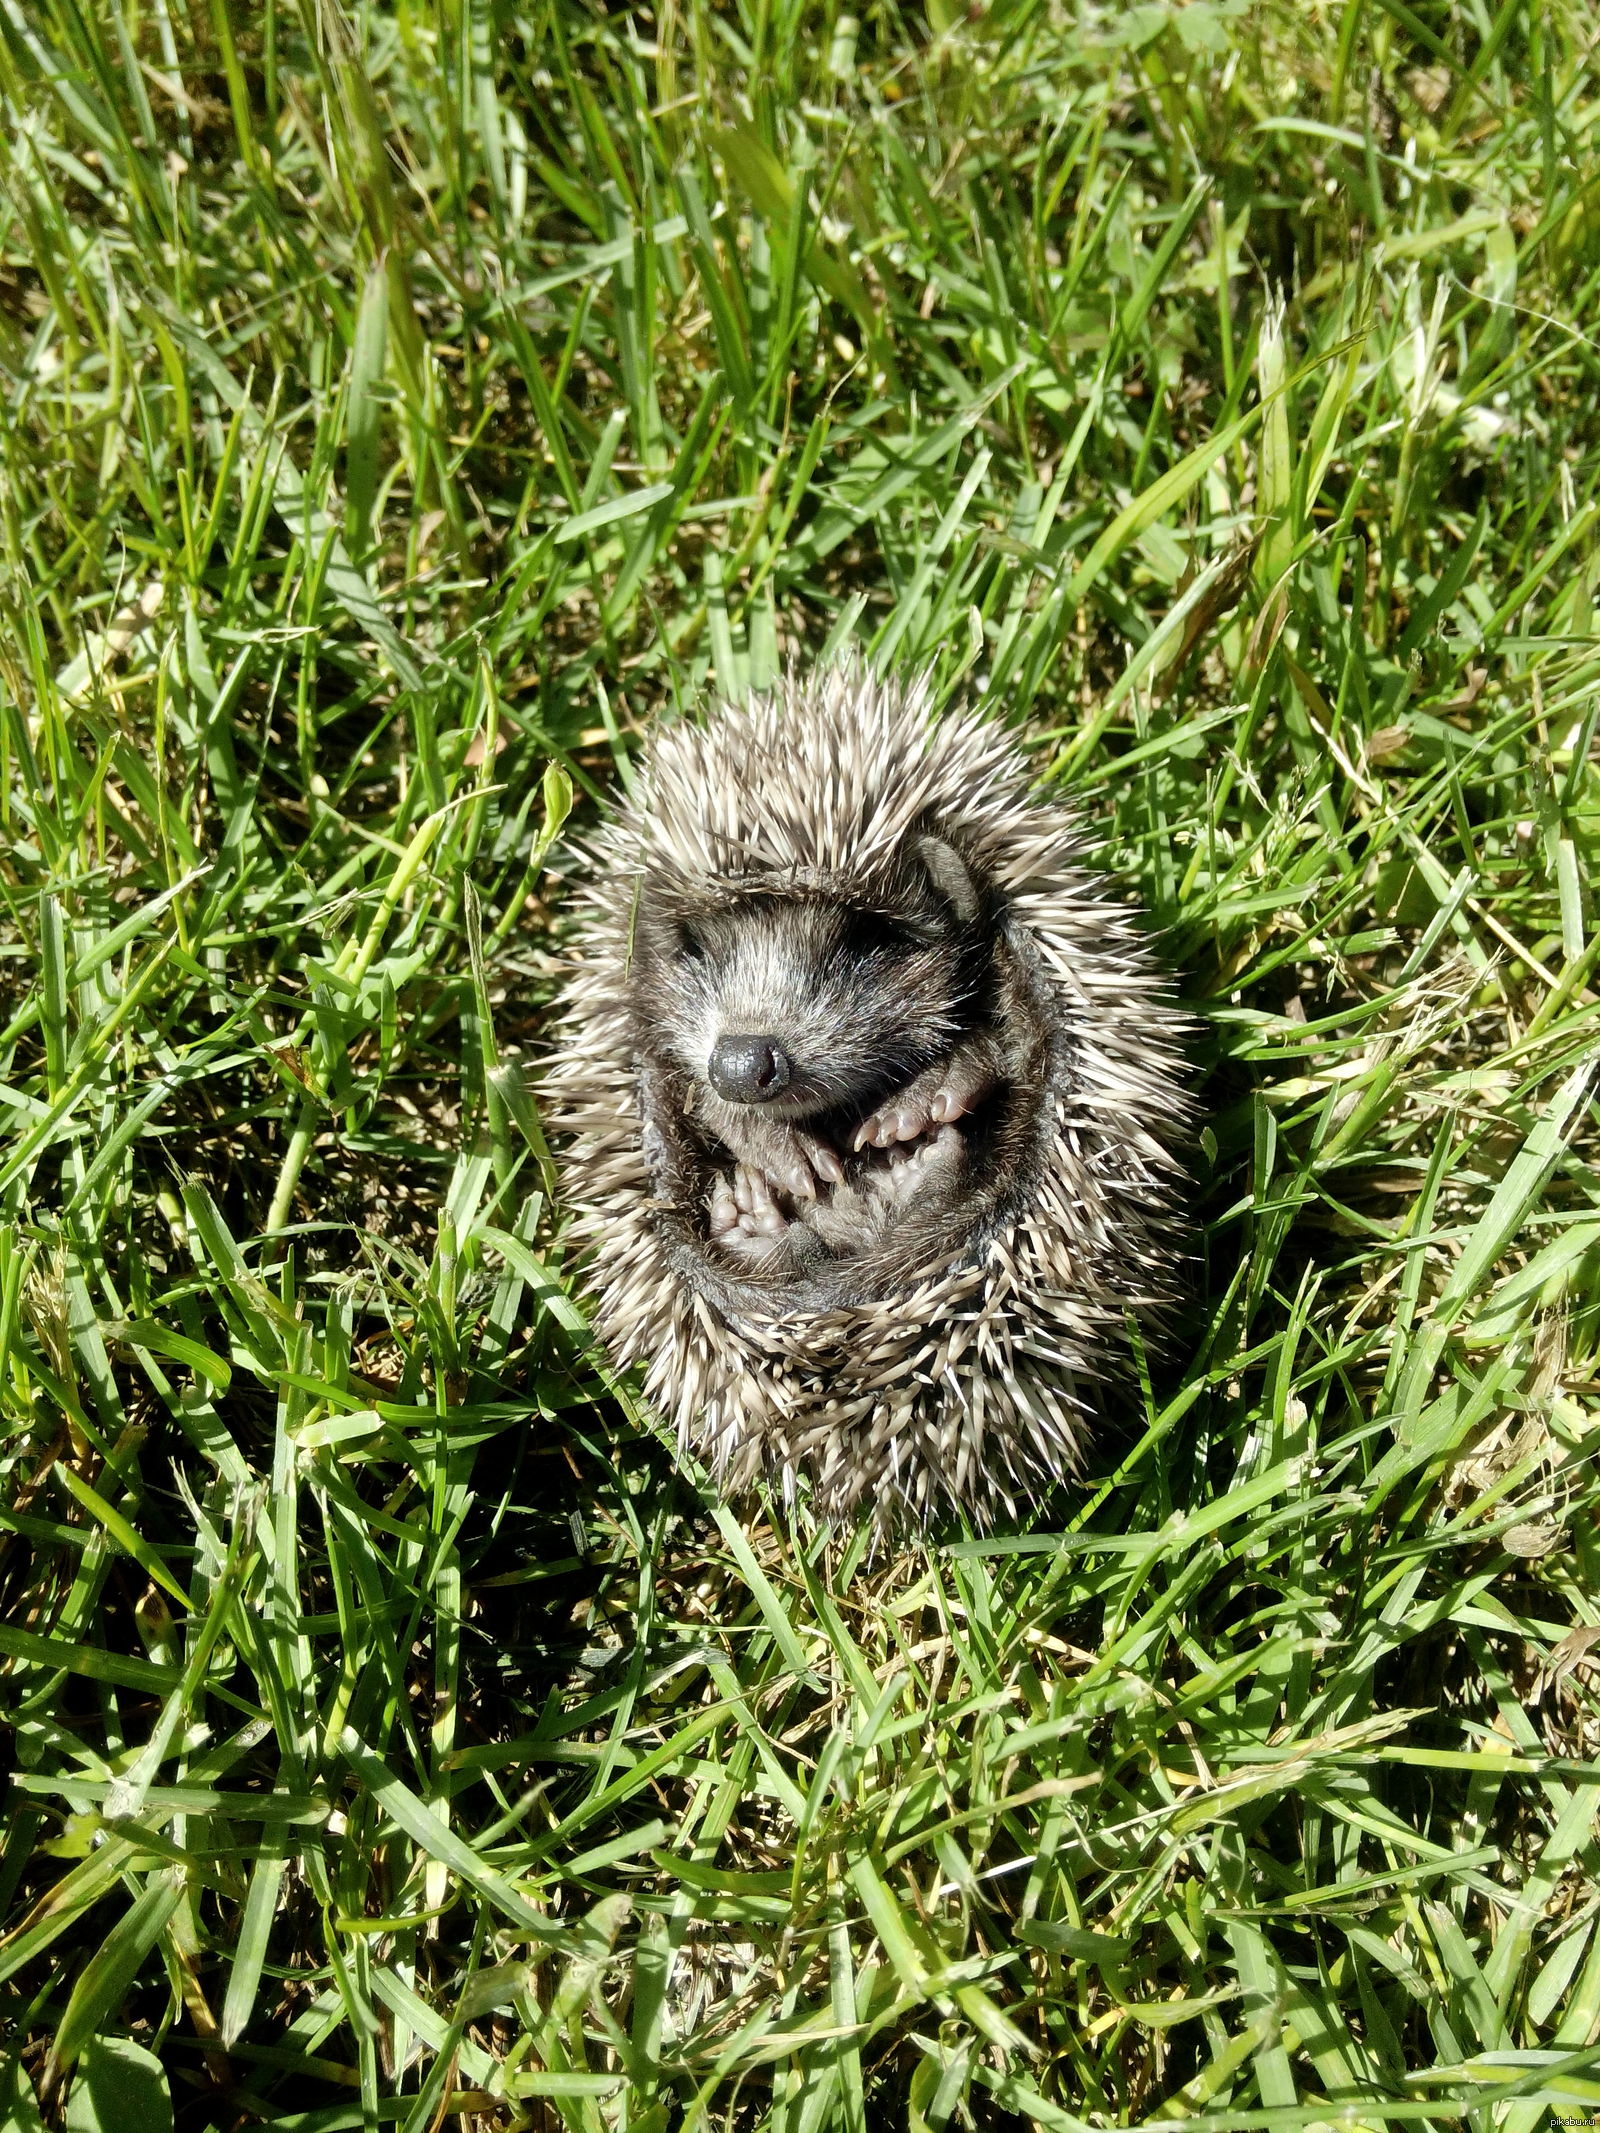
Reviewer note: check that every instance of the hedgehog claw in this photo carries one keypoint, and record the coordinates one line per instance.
(783, 1160)
(875, 1132)
(966, 1081)
(944, 1093)
(895, 1122)
(808, 1160)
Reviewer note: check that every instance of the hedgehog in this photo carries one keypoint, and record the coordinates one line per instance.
(870, 1090)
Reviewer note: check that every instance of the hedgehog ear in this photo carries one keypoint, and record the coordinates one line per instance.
(947, 870)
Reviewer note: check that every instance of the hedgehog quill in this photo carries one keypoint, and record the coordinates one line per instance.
(870, 1086)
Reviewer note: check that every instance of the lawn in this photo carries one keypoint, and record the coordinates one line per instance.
(405, 407)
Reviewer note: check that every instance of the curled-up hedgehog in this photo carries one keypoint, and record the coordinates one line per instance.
(870, 1086)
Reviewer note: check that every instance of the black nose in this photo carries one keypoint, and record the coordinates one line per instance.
(749, 1070)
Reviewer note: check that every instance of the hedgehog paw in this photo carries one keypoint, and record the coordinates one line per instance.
(723, 1212)
(903, 1120)
(793, 1162)
(943, 1094)
(759, 1213)
(814, 1159)
(912, 1169)
(961, 1084)
(743, 1217)
(750, 1245)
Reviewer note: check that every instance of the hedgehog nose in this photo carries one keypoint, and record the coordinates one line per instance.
(749, 1070)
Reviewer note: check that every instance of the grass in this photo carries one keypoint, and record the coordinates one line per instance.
(403, 408)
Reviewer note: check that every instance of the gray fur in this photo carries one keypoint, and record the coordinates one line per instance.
(898, 1265)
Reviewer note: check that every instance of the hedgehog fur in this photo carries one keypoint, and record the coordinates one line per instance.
(870, 1088)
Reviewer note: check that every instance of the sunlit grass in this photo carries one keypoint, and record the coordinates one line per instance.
(403, 409)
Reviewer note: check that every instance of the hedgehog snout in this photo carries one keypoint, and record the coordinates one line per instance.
(749, 1070)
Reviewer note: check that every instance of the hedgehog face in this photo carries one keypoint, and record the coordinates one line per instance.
(824, 1048)
(805, 1006)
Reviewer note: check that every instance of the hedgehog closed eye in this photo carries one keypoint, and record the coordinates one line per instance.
(870, 933)
(869, 1087)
